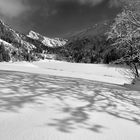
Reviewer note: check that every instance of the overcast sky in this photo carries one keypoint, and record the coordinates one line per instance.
(56, 17)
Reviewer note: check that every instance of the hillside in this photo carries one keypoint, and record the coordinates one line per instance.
(24, 47)
(90, 46)
(91, 31)
(50, 42)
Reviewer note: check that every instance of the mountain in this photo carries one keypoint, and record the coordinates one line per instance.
(50, 42)
(17, 47)
(90, 45)
(97, 29)
(11, 36)
(20, 50)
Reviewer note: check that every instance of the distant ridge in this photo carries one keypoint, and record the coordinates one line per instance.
(89, 45)
(50, 42)
(15, 46)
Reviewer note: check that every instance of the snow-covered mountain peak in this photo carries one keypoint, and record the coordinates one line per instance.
(1, 22)
(50, 42)
(33, 35)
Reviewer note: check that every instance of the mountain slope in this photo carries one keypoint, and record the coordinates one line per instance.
(25, 47)
(91, 31)
(50, 42)
(90, 45)
(87, 46)
(21, 48)
(9, 35)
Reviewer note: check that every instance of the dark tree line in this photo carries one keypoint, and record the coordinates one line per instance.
(90, 50)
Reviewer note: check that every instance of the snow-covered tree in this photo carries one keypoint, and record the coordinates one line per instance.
(125, 33)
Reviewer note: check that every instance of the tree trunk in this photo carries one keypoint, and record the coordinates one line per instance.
(136, 71)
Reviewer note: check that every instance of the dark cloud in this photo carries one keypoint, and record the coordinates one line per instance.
(94, 2)
(56, 17)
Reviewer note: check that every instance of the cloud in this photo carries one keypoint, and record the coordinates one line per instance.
(95, 2)
(13, 8)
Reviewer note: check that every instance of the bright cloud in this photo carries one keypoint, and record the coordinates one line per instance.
(12, 8)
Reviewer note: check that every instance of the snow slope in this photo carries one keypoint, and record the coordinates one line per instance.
(96, 72)
(52, 100)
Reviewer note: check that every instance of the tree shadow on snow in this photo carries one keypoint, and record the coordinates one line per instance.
(79, 99)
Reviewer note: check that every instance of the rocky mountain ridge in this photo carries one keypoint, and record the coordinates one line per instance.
(50, 42)
(89, 45)
(20, 47)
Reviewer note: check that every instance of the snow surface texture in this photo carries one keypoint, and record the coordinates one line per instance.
(50, 42)
(50, 100)
(135, 85)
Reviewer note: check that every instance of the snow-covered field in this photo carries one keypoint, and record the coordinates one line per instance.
(52, 100)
